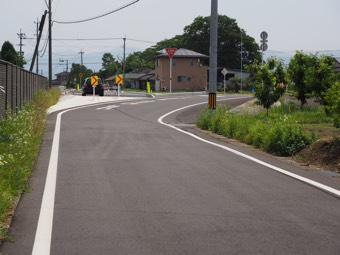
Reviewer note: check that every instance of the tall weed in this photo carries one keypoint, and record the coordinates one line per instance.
(20, 138)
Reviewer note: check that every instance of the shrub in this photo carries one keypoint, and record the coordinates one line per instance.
(285, 139)
(332, 103)
(278, 134)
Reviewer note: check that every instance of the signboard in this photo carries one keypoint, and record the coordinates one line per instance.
(264, 45)
(119, 79)
(94, 80)
(171, 51)
(81, 75)
(224, 71)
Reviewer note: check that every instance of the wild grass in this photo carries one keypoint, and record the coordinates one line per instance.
(20, 139)
(285, 132)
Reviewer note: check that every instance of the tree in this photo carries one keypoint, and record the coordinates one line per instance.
(320, 76)
(297, 70)
(9, 54)
(311, 75)
(269, 80)
(78, 69)
(110, 66)
(332, 102)
(197, 38)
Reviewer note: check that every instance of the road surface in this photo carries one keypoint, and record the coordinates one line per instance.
(123, 178)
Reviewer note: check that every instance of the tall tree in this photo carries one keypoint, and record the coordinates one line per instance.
(230, 39)
(9, 54)
(196, 37)
(110, 65)
(78, 69)
(297, 69)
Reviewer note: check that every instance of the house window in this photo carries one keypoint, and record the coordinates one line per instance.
(191, 62)
(173, 62)
(181, 78)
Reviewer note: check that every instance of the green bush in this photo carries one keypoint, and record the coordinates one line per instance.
(205, 119)
(278, 134)
(285, 139)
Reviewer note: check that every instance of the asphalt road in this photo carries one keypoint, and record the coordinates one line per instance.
(128, 184)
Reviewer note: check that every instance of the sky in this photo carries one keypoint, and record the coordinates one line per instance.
(308, 25)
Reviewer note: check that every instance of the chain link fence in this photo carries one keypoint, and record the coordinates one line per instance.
(17, 87)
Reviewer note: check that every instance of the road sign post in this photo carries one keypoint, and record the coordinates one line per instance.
(171, 52)
(264, 45)
(224, 72)
(94, 83)
(119, 81)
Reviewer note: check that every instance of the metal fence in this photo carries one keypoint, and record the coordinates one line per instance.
(17, 87)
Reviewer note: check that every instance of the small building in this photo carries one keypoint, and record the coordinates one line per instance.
(62, 78)
(136, 79)
(189, 71)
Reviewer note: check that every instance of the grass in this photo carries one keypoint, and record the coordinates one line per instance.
(286, 131)
(20, 139)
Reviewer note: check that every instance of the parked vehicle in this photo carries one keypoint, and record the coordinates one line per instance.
(88, 89)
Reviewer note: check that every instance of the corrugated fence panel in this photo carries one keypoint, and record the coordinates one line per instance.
(2, 91)
(17, 87)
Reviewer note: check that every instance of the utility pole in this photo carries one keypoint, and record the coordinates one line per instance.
(62, 61)
(81, 58)
(124, 62)
(21, 36)
(213, 55)
(39, 33)
(81, 66)
(37, 66)
(50, 43)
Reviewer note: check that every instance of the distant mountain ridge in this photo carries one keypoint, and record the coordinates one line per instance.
(287, 55)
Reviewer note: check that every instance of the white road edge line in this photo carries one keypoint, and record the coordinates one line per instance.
(42, 241)
(43, 235)
(280, 170)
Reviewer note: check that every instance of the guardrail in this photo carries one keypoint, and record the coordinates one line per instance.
(17, 87)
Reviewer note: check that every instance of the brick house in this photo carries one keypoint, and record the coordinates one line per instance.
(62, 78)
(189, 71)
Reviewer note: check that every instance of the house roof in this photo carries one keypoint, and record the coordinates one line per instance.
(134, 75)
(183, 53)
(62, 73)
(337, 59)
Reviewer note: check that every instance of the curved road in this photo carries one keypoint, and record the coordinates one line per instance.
(127, 184)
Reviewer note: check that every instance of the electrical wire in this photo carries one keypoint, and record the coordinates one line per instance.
(86, 39)
(44, 48)
(97, 17)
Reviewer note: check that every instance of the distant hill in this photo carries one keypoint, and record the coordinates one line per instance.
(287, 55)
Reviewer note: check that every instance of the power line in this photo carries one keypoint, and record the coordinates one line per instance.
(99, 39)
(86, 39)
(99, 16)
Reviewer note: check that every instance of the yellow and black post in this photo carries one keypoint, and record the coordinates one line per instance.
(212, 101)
